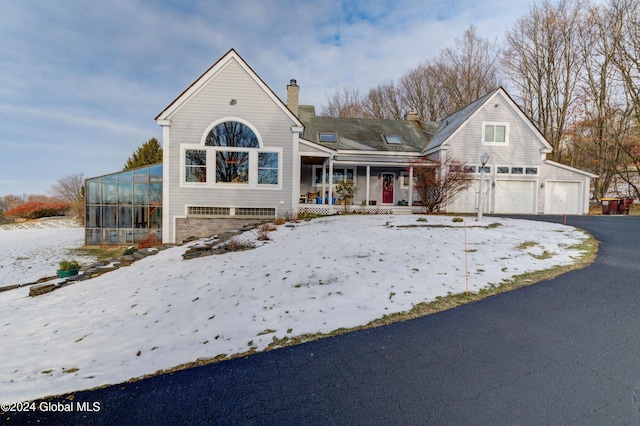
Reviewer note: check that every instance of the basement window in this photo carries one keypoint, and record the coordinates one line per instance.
(328, 137)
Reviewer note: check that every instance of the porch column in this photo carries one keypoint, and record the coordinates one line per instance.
(410, 186)
(367, 185)
(324, 183)
(330, 196)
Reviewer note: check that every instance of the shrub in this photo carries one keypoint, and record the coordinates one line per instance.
(38, 209)
(263, 231)
(292, 216)
(279, 221)
(149, 241)
(346, 189)
(234, 244)
(69, 265)
(129, 250)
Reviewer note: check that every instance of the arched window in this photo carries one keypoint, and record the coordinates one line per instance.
(232, 134)
(236, 157)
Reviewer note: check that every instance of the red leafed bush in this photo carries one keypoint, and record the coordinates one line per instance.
(38, 209)
(149, 241)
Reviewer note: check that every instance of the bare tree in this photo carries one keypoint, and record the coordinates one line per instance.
(601, 119)
(627, 14)
(420, 90)
(346, 103)
(69, 188)
(439, 184)
(544, 61)
(435, 88)
(384, 101)
(468, 71)
(624, 31)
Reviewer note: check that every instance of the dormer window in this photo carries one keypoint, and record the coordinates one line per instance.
(328, 137)
(393, 139)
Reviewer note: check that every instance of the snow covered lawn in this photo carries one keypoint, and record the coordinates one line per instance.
(318, 276)
(32, 250)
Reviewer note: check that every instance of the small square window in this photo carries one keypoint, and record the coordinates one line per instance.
(502, 170)
(469, 169)
(487, 169)
(516, 170)
(328, 137)
(393, 139)
(531, 170)
(496, 133)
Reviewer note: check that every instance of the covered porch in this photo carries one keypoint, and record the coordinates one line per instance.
(383, 181)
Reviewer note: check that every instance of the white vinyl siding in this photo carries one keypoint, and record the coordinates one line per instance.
(190, 124)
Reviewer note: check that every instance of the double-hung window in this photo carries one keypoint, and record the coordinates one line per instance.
(267, 168)
(195, 165)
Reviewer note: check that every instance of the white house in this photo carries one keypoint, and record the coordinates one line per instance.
(234, 152)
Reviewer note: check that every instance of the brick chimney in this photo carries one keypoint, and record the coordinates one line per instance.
(293, 95)
(412, 115)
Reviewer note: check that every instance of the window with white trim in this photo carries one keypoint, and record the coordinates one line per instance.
(404, 180)
(236, 158)
(339, 174)
(495, 133)
(195, 165)
(267, 168)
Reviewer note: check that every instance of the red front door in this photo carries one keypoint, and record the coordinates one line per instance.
(388, 182)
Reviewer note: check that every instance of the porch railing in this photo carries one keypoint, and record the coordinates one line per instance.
(324, 209)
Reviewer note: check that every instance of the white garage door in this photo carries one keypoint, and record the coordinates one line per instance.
(467, 200)
(515, 197)
(562, 198)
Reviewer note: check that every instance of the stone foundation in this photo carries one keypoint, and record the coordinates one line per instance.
(206, 227)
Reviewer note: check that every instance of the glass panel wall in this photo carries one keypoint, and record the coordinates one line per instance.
(123, 208)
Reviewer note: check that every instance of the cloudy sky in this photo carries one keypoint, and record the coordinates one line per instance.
(81, 81)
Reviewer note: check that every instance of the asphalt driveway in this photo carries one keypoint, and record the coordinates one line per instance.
(563, 351)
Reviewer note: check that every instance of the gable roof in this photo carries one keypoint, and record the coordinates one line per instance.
(455, 121)
(367, 134)
(210, 73)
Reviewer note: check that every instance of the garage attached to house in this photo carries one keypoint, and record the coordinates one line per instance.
(515, 196)
(563, 197)
(467, 200)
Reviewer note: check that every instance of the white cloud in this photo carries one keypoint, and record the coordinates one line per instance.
(93, 76)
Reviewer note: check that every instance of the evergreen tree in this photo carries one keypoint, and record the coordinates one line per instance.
(149, 153)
